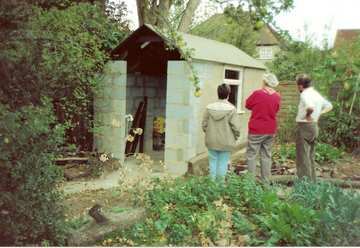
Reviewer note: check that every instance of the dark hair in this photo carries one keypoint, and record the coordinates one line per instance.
(303, 80)
(223, 91)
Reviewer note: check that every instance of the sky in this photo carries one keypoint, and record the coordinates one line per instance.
(315, 19)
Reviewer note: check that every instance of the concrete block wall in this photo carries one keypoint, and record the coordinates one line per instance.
(154, 88)
(181, 118)
(109, 111)
(211, 75)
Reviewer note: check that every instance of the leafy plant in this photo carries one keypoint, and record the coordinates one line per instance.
(59, 55)
(338, 211)
(30, 203)
(78, 223)
(323, 153)
(199, 211)
(327, 153)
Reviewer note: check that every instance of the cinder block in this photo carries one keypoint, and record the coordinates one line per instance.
(170, 154)
(177, 68)
(178, 111)
(178, 82)
(118, 106)
(177, 97)
(115, 67)
(119, 80)
(177, 168)
(149, 92)
(118, 92)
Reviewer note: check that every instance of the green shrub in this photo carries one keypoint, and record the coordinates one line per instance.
(284, 152)
(327, 153)
(338, 211)
(340, 128)
(323, 153)
(185, 212)
(30, 204)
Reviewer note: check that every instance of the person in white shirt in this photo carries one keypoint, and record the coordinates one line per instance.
(311, 106)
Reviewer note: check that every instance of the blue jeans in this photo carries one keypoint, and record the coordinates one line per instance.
(218, 163)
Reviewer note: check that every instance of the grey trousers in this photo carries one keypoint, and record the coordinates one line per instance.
(262, 144)
(306, 135)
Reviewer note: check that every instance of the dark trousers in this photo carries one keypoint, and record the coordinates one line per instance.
(306, 136)
(260, 144)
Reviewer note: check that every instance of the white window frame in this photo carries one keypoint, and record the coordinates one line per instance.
(266, 52)
(239, 83)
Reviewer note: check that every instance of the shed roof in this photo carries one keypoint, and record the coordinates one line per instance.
(211, 50)
(208, 50)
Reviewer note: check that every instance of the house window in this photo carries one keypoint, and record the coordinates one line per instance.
(266, 53)
(233, 77)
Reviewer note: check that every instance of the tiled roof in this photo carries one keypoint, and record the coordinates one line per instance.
(346, 35)
(267, 36)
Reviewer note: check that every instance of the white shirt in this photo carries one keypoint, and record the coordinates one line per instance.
(310, 98)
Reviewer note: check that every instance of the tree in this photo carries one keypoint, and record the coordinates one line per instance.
(295, 58)
(223, 28)
(49, 50)
(158, 12)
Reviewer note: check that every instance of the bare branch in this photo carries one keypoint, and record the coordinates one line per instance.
(187, 18)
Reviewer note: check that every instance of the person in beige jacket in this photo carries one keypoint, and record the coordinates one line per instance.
(221, 129)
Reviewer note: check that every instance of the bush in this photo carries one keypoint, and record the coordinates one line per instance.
(340, 128)
(199, 211)
(323, 153)
(60, 55)
(327, 153)
(338, 211)
(30, 203)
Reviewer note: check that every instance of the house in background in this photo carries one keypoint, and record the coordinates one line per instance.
(268, 44)
(346, 36)
(143, 68)
(219, 26)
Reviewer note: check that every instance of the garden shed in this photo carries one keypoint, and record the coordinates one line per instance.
(147, 78)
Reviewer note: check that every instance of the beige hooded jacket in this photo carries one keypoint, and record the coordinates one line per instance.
(221, 126)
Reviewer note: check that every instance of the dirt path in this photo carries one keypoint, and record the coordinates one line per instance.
(110, 180)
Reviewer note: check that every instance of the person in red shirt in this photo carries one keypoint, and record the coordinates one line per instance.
(264, 104)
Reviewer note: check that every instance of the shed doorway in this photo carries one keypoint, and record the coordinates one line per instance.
(146, 84)
(147, 57)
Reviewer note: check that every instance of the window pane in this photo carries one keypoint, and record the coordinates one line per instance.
(232, 74)
(266, 53)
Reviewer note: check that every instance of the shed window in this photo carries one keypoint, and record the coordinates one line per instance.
(233, 77)
(232, 74)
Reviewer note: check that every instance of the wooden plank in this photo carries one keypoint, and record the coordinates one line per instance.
(129, 149)
(62, 161)
(142, 126)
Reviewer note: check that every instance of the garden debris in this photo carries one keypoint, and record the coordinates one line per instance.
(87, 165)
(240, 240)
(72, 160)
(90, 233)
(95, 212)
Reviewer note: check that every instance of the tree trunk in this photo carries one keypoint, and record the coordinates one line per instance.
(162, 12)
(141, 9)
(187, 17)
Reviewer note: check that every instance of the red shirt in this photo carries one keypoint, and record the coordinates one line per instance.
(264, 107)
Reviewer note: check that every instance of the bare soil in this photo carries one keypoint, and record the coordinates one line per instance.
(78, 204)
